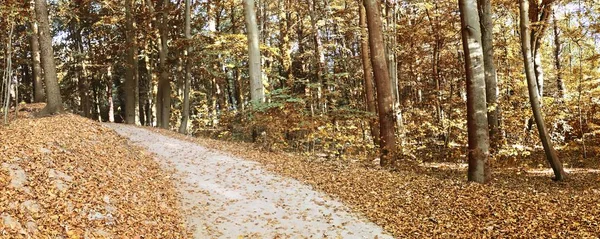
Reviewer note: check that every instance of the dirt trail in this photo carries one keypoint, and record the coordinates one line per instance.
(228, 197)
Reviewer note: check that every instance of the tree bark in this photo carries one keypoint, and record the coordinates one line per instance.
(534, 96)
(163, 98)
(560, 85)
(131, 73)
(491, 80)
(183, 128)
(38, 87)
(539, 13)
(368, 74)
(477, 123)
(385, 97)
(257, 89)
(53, 99)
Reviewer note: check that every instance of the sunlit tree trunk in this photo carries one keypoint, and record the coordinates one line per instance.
(557, 64)
(491, 80)
(53, 99)
(38, 87)
(188, 68)
(257, 89)
(539, 13)
(385, 97)
(477, 123)
(534, 96)
(368, 74)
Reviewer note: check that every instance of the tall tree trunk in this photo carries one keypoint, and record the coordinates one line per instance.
(477, 123)
(385, 97)
(557, 64)
(319, 55)
(368, 74)
(38, 87)
(183, 128)
(163, 98)
(534, 96)
(257, 89)
(53, 99)
(539, 13)
(491, 80)
(131, 73)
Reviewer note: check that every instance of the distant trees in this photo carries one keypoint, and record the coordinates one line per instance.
(53, 99)
(329, 77)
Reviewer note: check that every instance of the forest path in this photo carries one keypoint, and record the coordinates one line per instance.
(228, 197)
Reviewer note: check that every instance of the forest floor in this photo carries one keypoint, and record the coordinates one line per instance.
(70, 177)
(229, 197)
(434, 200)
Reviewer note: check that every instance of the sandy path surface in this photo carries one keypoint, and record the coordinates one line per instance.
(228, 197)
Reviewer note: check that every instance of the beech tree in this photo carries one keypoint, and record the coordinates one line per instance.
(183, 128)
(53, 99)
(534, 95)
(131, 76)
(477, 123)
(368, 73)
(257, 89)
(491, 81)
(38, 87)
(385, 97)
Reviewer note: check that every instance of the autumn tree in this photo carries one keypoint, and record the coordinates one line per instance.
(183, 128)
(53, 98)
(477, 123)
(491, 81)
(257, 89)
(382, 83)
(533, 89)
(38, 87)
(368, 73)
(131, 74)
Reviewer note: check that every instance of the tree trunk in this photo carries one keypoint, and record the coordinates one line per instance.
(477, 123)
(491, 80)
(385, 97)
(53, 99)
(319, 55)
(131, 73)
(38, 87)
(534, 96)
(163, 98)
(257, 89)
(560, 85)
(368, 74)
(183, 128)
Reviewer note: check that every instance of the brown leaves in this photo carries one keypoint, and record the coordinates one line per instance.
(420, 202)
(77, 179)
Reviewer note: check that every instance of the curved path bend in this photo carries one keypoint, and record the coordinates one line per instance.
(229, 197)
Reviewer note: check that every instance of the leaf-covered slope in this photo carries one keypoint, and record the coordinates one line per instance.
(69, 177)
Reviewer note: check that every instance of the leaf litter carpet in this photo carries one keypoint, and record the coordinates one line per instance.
(228, 197)
(412, 201)
(69, 177)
